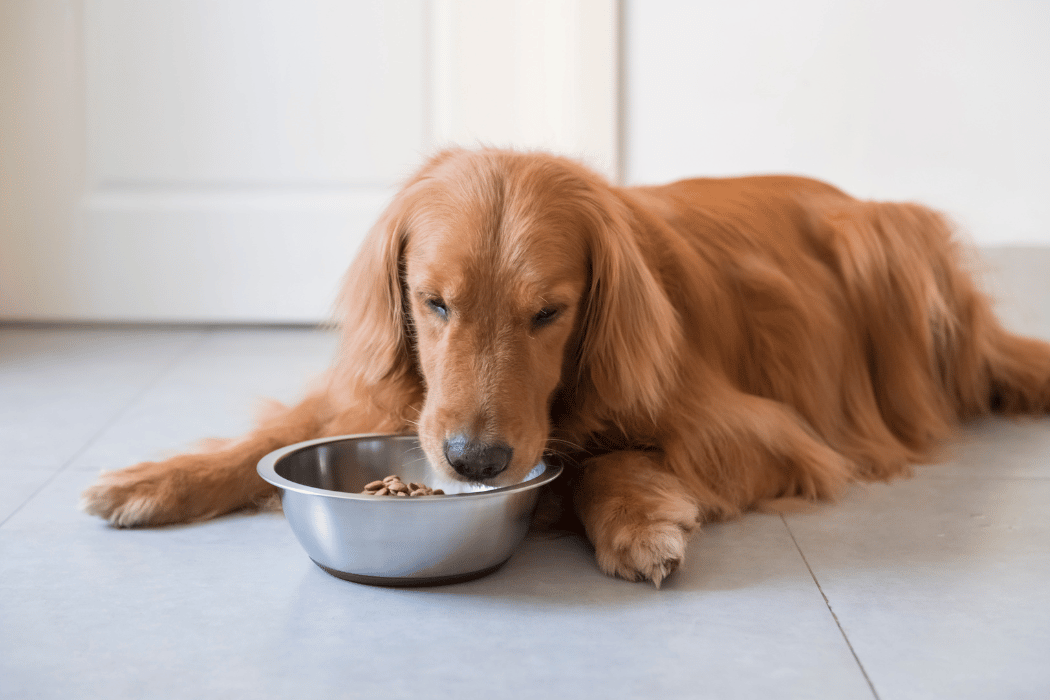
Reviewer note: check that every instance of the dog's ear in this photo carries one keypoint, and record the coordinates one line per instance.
(371, 309)
(377, 352)
(377, 348)
(631, 333)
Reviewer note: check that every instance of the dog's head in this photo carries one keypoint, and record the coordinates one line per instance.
(492, 280)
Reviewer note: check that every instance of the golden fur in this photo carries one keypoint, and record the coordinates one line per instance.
(701, 347)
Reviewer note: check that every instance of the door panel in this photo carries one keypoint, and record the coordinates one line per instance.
(222, 160)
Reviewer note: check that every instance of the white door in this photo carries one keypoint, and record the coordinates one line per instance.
(221, 160)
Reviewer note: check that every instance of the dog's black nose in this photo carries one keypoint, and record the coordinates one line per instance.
(477, 460)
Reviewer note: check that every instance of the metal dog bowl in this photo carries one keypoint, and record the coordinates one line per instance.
(390, 541)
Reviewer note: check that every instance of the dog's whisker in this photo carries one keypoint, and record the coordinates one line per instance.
(573, 445)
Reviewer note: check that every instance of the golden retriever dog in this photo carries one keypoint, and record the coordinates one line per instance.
(700, 348)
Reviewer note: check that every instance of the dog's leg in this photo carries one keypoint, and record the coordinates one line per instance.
(637, 514)
(202, 485)
(639, 508)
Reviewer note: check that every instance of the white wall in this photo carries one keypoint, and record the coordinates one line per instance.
(220, 160)
(946, 102)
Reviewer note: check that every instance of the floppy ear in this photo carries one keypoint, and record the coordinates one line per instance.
(376, 349)
(632, 334)
(370, 309)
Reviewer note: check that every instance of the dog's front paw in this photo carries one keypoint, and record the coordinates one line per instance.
(638, 545)
(649, 553)
(146, 494)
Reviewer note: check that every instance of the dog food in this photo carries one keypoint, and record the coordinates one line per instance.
(393, 486)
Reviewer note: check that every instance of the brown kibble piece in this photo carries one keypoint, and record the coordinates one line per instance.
(393, 486)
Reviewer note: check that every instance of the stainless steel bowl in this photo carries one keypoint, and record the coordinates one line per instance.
(426, 540)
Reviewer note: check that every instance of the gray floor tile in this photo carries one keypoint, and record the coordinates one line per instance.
(17, 486)
(997, 448)
(234, 608)
(214, 391)
(940, 584)
(62, 386)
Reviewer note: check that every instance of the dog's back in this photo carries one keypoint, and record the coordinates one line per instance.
(864, 317)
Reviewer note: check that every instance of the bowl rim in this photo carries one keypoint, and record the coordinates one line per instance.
(267, 470)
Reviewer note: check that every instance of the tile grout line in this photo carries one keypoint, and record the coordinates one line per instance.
(830, 610)
(163, 372)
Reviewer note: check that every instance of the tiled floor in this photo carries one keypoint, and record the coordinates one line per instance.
(935, 587)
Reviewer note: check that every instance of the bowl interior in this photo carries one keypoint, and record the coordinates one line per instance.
(347, 465)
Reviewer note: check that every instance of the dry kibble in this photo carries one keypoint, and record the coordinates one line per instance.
(393, 486)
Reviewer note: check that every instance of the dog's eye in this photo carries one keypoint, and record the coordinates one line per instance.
(544, 317)
(438, 307)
